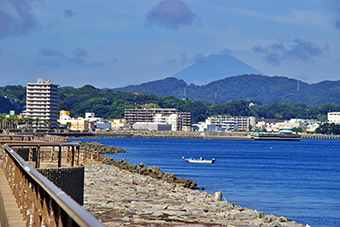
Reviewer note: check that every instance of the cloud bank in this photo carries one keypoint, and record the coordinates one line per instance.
(56, 59)
(300, 50)
(170, 14)
(22, 23)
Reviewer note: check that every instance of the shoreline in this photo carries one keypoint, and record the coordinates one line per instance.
(143, 196)
(121, 198)
(178, 135)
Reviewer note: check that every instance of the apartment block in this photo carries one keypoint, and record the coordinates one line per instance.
(178, 120)
(42, 101)
(240, 122)
(333, 117)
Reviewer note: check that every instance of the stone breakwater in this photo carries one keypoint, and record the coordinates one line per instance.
(120, 198)
(101, 148)
(142, 169)
(153, 172)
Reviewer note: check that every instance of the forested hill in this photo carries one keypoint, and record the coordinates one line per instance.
(264, 89)
(111, 104)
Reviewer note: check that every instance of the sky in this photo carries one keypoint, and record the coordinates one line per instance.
(110, 44)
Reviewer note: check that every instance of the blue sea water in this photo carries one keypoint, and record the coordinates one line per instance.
(296, 179)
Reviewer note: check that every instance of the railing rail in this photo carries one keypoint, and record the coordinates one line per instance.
(88, 154)
(40, 201)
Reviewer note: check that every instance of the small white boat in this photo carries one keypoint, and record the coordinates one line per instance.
(200, 160)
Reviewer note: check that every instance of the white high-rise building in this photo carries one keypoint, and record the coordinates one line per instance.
(42, 101)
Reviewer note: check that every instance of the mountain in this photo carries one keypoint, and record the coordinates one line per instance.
(264, 89)
(214, 67)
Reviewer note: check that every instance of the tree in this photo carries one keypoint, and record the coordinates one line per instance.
(297, 130)
(328, 129)
(68, 125)
(48, 123)
(2, 120)
(37, 122)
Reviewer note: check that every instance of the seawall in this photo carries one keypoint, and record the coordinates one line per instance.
(179, 135)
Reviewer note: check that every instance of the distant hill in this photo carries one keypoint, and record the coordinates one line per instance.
(264, 89)
(214, 67)
(111, 104)
(12, 98)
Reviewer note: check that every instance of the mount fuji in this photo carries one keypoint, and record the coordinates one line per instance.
(214, 67)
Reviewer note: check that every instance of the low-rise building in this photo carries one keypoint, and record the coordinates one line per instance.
(333, 117)
(262, 124)
(103, 125)
(293, 123)
(179, 120)
(73, 124)
(174, 120)
(97, 122)
(312, 127)
(231, 123)
(118, 124)
(151, 126)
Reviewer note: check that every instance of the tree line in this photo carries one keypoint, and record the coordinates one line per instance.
(111, 104)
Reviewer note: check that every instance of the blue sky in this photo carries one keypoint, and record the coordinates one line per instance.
(109, 43)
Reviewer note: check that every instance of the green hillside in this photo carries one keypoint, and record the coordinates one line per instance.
(111, 104)
(264, 89)
(274, 97)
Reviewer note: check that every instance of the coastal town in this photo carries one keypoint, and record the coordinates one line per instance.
(42, 112)
(118, 193)
(169, 113)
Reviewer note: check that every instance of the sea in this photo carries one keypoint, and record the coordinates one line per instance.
(299, 180)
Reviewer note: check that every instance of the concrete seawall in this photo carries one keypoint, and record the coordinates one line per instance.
(319, 136)
(184, 135)
(163, 134)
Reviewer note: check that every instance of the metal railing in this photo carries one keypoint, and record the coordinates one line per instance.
(40, 201)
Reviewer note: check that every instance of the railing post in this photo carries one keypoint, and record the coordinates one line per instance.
(72, 156)
(41, 155)
(59, 157)
(69, 155)
(52, 154)
(77, 157)
(37, 163)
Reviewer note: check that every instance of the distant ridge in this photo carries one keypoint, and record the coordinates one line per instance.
(214, 67)
(264, 89)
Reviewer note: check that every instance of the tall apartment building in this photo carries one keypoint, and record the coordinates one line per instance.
(159, 115)
(42, 101)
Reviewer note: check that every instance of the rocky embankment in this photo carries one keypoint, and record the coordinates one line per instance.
(122, 194)
(101, 148)
(142, 169)
(153, 172)
(121, 198)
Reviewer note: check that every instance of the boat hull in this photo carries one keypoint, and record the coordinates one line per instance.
(200, 161)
